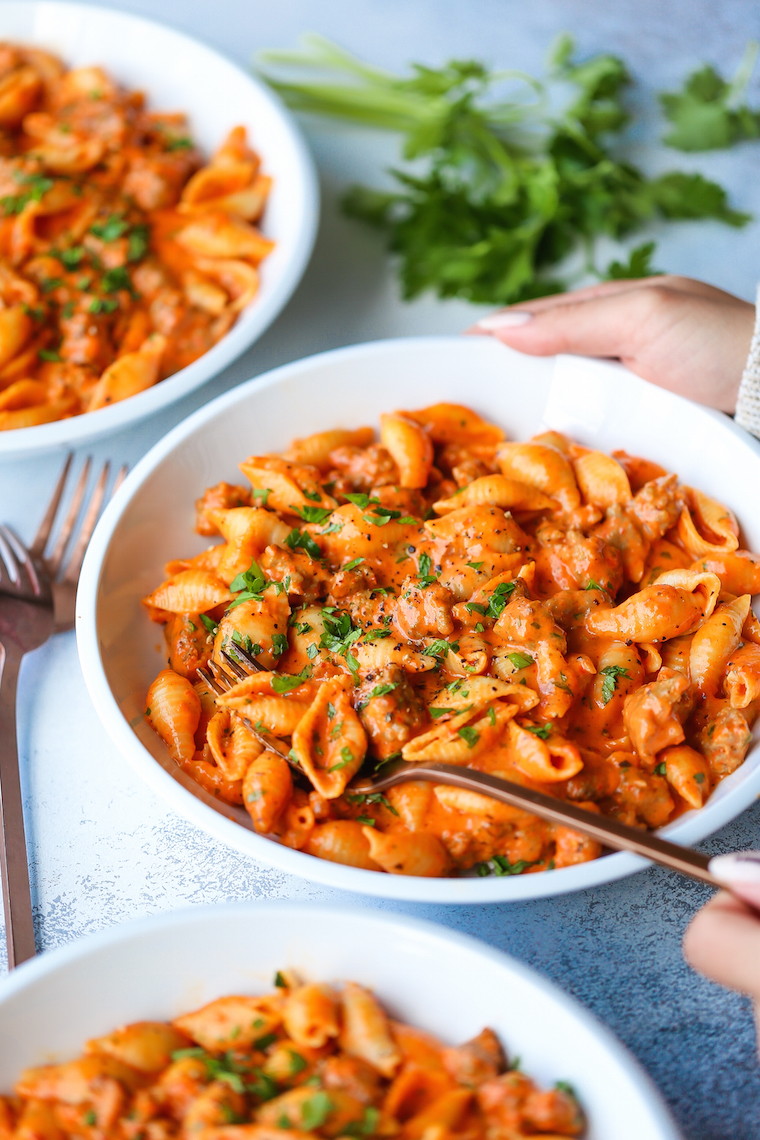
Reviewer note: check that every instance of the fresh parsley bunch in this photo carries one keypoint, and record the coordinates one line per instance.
(504, 187)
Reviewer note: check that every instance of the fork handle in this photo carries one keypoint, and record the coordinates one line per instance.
(14, 866)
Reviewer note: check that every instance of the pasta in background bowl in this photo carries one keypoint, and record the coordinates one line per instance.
(125, 340)
(436, 981)
(150, 521)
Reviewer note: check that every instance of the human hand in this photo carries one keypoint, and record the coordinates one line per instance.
(723, 940)
(678, 333)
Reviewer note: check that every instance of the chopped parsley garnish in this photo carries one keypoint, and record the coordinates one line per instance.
(38, 187)
(297, 1063)
(243, 641)
(437, 713)
(279, 981)
(302, 538)
(498, 601)
(211, 625)
(71, 257)
(367, 1126)
(49, 354)
(90, 1118)
(469, 735)
(365, 819)
(566, 1087)
(340, 633)
(474, 565)
(102, 305)
(51, 284)
(111, 229)
(265, 1041)
(312, 651)
(346, 758)
(371, 798)
(353, 564)
(284, 682)
(424, 564)
(360, 501)
(610, 674)
(475, 607)
(182, 143)
(279, 644)
(315, 1111)
(659, 770)
(562, 684)
(263, 1087)
(699, 777)
(491, 714)
(500, 865)
(137, 243)
(521, 660)
(251, 583)
(441, 648)
(312, 514)
(592, 585)
(383, 690)
(543, 731)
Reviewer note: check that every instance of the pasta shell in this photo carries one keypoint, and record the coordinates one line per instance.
(23, 394)
(15, 330)
(267, 790)
(329, 741)
(453, 423)
(409, 446)
(714, 643)
(341, 841)
(189, 592)
(548, 761)
(602, 480)
(473, 804)
(688, 772)
(291, 486)
(173, 711)
(129, 374)
(248, 532)
(239, 279)
(218, 234)
(408, 853)
(541, 467)
(18, 94)
(315, 450)
(498, 491)
(461, 739)
(233, 747)
(705, 516)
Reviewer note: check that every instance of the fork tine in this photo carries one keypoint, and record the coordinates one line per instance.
(37, 549)
(92, 513)
(121, 475)
(247, 658)
(235, 666)
(54, 562)
(221, 676)
(23, 556)
(8, 560)
(210, 680)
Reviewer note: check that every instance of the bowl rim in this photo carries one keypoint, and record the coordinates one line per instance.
(264, 309)
(30, 972)
(687, 829)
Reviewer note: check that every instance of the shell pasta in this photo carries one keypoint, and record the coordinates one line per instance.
(308, 1061)
(577, 622)
(123, 256)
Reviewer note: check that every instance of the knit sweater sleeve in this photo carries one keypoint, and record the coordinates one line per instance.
(748, 401)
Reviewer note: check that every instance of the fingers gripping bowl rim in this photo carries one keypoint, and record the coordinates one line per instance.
(167, 964)
(134, 50)
(151, 518)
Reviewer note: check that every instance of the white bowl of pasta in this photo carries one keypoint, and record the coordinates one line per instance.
(159, 207)
(294, 1022)
(427, 646)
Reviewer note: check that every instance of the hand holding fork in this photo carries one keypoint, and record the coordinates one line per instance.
(37, 599)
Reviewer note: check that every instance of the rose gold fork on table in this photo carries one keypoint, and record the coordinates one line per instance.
(609, 832)
(37, 599)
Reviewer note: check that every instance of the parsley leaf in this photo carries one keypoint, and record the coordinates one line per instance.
(346, 758)
(312, 514)
(469, 734)
(303, 539)
(504, 187)
(543, 731)
(609, 684)
(284, 682)
(353, 564)
(706, 114)
(371, 798)
(659, 769)
(521, 660)
(109, 230)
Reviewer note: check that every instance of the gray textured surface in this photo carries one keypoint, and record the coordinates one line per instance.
(104, 849)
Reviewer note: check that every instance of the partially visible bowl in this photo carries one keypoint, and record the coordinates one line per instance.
(445, 983)
(178, 73)
(151, 521)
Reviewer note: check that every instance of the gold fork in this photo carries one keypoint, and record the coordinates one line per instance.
(37, 599)
(609, 832)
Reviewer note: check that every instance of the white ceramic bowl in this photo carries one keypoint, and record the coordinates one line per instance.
(443, 982)
(179, 73)
(151, 520)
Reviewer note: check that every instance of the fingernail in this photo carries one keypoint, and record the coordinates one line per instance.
(741, 871)
(507, 320)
